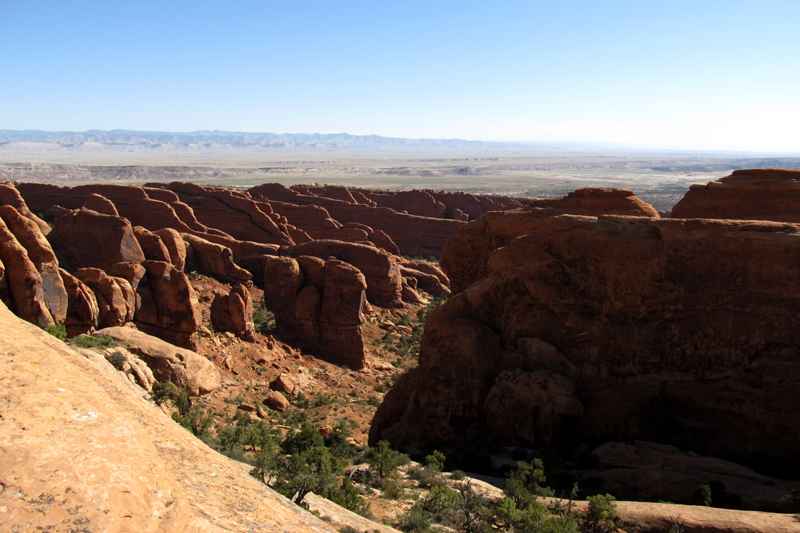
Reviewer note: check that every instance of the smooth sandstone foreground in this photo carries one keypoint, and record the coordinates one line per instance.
(81, 449)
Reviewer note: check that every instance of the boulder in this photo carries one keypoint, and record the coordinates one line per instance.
(23, 280)
(234, 312)
(214, 260)
(668, 330)
(277, 401)
(83, 311)
(168, 362)
(134, 368)
(84, 238)
(284, 383)
(116, 300)
(756, 194)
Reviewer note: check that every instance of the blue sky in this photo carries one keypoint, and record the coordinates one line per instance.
(703, 74)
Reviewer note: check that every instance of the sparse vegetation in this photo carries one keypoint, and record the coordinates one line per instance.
(93, 341)
(58, 331)
(263, 319)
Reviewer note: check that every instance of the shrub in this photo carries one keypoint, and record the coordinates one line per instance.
(263, 319)
(383, 460)
(59, 331)
(435, 461)
(93, 341)
(415, 520)
(313, 469)
(426, 477)
(457, 475)
(703, 495)
(526, 482)
(601, 516)
(392, 489)
(441, 503)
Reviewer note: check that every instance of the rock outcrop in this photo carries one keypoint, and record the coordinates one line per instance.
(25, 288)
(169, 305)
(234, 312)
(10, 195)
(30, 236)
(587, 330)
(153, 247)
(168, 362)
(757, 194)
(85, 238)
(116, 299)
(319, 304)
(414, 235)
(464, 257)
(233, 212)
(213, 259)
(381, 269)
(83, 312)
(597, 201)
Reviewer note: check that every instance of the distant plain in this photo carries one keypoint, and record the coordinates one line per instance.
(660, 178)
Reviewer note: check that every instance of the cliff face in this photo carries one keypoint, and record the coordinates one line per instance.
(757, 194)
(82, 450)
(586, 330)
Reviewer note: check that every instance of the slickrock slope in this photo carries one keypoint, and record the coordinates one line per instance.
(464, 256)
(758, 194)
(588, 329)
(81, 450)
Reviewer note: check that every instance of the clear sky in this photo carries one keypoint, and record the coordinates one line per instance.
(700, 74)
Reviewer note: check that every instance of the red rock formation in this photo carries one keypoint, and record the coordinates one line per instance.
(381, 270)
(414, 235)
(617, 328)
(416, 202)
(213, 259)
(30, 236)
(4, 296)
(84, 238)
(758, 194)
(83, 312)
(153, 247)
(175, 245)
(10, 195)
(170, 309)
(594, 201)
(464, 257)
(25, 287)
(116, 299)
(318, 304)
(234, 312)
(233, 212)
(101, 204)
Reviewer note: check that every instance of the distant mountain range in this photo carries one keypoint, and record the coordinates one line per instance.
(226, 140)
